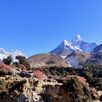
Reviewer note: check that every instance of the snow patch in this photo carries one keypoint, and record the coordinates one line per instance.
(4, 54)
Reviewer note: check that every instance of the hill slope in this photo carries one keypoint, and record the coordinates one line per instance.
(46, 60)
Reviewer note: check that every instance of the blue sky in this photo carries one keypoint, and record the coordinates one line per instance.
(37, 26)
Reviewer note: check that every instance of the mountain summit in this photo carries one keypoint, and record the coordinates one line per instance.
(64, 49)
(75, 51)
(77, 38)
(83, 45)
(77, 44)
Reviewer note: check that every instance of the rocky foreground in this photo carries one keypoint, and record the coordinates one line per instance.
(18, 84)
(44, 85)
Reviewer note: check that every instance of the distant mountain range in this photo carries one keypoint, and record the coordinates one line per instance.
(5, 54)
(77, 51)
(73, 53)
(77, 44)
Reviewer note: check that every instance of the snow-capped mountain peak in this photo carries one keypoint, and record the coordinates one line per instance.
(77, 43)
(83, 45)
(64, 49)
(5, 54)
(65, 43)
(77, 38)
